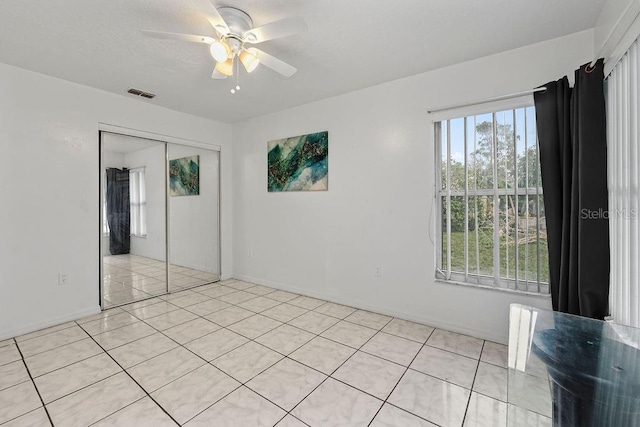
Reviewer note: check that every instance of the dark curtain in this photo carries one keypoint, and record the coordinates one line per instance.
(118, 207)
(571, 126)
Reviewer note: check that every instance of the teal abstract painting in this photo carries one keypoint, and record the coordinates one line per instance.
(299, 163)
(184, 176)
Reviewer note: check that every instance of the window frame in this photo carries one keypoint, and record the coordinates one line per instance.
(141, 204)
(467, 278)
(103, 188)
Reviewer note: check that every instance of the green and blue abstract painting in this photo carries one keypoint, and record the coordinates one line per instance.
(184, 176)
(299, 163)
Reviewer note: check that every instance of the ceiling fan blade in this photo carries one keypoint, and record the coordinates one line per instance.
(178, 36)
(274, 63)
(217, 75)
(213, 16)
(283, 28)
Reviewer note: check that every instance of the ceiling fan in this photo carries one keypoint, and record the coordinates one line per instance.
(234, 29)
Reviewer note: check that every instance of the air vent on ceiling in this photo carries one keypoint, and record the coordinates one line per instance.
(141, 93)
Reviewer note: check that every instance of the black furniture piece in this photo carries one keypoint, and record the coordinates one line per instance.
(591, 370)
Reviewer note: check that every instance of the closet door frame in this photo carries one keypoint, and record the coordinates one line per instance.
(165, 140)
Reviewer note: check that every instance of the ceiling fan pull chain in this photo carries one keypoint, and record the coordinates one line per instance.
(237, 88)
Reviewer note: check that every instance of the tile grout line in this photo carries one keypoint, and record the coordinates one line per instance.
(475, 374)
(334, 371)
(45, 334)
(46, 411)
(400, 379)
(471, 390)
(54, 348)
(134, 380)
(65, 366)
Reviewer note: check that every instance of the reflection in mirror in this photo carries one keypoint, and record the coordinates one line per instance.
(133, 244)
(194, 257)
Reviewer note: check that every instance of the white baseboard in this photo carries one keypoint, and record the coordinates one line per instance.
(425, 320)
(36, 326)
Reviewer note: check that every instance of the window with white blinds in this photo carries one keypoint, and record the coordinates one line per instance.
(623, 92)
(138, 201)
(491, 224)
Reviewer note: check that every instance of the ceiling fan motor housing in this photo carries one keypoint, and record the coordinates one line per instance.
(237, 21)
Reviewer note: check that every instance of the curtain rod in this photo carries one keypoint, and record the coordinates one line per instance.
(483, 101)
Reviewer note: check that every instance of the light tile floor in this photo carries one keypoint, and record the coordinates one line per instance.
(237, 354)
(129, 278)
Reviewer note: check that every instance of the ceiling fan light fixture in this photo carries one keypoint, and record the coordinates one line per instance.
(220, 50)
(225, 67)
(249, 60)
(234, 29)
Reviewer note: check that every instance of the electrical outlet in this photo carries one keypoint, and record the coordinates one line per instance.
(377, 271)
(63, 279)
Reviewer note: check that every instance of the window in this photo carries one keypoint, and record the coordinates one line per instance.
(138, 200)
(623, 94)
(491, 226)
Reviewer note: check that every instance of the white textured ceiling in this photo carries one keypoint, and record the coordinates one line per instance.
(350, 45)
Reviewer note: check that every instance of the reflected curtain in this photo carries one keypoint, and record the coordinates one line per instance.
(571, 124)
(118, 210)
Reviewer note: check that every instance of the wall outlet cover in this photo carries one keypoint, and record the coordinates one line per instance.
(378, 271)
(63, 279)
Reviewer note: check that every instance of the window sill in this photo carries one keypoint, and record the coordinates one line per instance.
(493, 288)
(144, 236)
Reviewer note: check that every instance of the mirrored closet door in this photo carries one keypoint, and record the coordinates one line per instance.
(194, 257)
(159, 203)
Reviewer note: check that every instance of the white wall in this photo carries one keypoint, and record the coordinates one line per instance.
(49, 182)
(378, 207)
